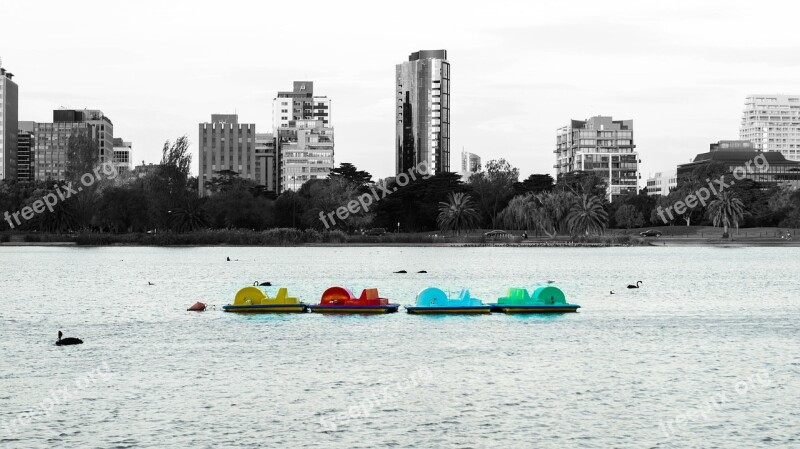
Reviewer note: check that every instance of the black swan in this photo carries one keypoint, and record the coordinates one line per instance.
(635, 286)
(612, 292)
(67, 341)
(263, 284)
(401, 272)
(422, 271)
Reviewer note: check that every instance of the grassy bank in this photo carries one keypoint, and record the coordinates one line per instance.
(294, 237)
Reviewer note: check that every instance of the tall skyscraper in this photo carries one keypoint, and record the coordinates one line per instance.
(422, 112)
(603, 146)
(772, 123)
(470, 164)
(303, 130)
(226, 144)
(9, 108)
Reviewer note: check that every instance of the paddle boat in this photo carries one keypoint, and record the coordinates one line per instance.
(253, 300)
(342, 300)
(433, 301)
(545, 299)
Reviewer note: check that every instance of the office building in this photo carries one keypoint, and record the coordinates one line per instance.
(306, 153)
(25, 144)
(772, 123)
(470, 164)
(422, 112)
(770, 168)
(662, 183)
(300, 104)
(101, 129)
(122, 155)
(9, 108)
(603, 146)
(226, 144)
(302, 125)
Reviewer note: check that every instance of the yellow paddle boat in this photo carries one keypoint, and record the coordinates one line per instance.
(253, 300)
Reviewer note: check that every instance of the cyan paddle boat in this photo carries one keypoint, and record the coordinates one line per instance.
(434, 301)
(545, 299)
(342, 300)
(253, 300)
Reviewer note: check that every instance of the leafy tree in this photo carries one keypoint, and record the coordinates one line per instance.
(458, 213)
(415, 206)
(583, 183)
(493, 188)
(122, 209)
(360, 178)
(629, 217)
(534, 184)
(587, 216)
(726, 210)
(83, 154)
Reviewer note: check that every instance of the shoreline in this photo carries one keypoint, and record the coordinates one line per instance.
(670, 242)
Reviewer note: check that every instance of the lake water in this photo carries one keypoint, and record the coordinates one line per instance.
(705, 354)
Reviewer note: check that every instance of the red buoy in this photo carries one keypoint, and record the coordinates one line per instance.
(197, 307)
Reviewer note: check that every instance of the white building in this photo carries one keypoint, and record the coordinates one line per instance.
(662, 183)
(306, 153)
(603, 146)
(302, 125)
(470, 164)
(772, 123)
(122, 156)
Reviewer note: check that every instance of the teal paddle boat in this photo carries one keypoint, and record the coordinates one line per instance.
(545, 299)
(433, 300)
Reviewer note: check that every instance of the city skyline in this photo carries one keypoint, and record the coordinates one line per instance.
(513, 89)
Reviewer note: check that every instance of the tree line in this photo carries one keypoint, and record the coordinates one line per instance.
(167, 200)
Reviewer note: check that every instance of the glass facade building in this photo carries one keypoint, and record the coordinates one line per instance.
(306, 153)
(603, 146)
(422, 111)
(9, 107)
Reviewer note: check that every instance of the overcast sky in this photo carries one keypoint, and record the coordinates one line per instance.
(520, 70)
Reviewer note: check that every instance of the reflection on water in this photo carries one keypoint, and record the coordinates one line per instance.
(616, 374)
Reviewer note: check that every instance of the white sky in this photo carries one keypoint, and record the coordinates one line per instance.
(520, 69)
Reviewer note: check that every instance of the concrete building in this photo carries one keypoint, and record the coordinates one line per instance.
(422, 112)
(267, 168)
(603, 146)
(306, 152)
(102, 130)
(122, 156)
(662, 183)
(772, 123)
(302, 125)
(9, 109)
(737, 156)
(300, 104)
(226, 144)
(25, 152)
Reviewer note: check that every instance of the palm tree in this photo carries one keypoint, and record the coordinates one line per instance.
(458, 213)
(587, 216)
(726, 209)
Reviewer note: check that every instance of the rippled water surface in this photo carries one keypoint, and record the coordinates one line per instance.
(705, 354)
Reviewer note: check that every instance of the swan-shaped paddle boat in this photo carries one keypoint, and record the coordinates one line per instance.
(342, 300)
(545, 299)
(433, 300)
(253, 300)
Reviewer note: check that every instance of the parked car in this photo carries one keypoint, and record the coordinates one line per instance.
(496, 234)
(650, 233)
(376, 231)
